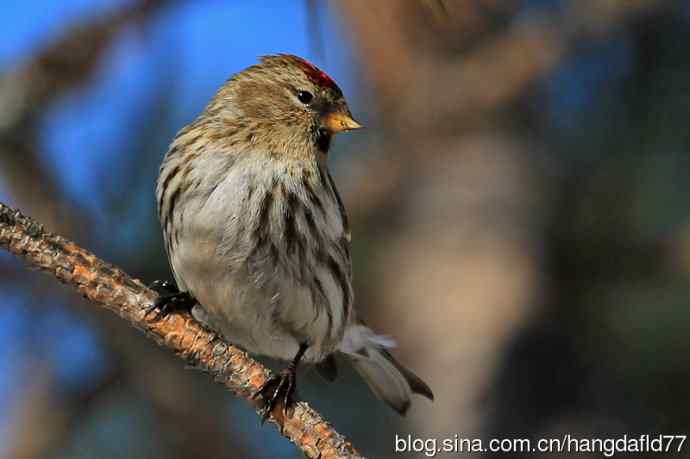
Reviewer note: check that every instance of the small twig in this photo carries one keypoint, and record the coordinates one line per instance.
(107, 285)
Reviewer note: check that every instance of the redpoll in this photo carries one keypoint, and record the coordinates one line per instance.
(257, 235)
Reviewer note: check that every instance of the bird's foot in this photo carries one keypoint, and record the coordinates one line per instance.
(279, 389)
(170, 299)
(164, 287)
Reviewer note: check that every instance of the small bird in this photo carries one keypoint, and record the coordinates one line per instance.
(257, 235)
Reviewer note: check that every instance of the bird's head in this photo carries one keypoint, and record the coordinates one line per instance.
(287, 101)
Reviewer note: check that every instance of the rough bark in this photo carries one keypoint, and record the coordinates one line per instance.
(113, 289)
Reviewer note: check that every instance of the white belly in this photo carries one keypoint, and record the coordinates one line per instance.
(269, 297)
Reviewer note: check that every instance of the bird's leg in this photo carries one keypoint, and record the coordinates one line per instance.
(170, 299)
(281, 387)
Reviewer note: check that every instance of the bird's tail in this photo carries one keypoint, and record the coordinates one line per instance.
(387, 378)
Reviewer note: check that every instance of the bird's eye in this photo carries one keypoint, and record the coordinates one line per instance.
(304, 96)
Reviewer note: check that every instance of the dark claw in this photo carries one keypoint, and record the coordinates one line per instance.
(167, 303)
(279, 389)
(164, 287)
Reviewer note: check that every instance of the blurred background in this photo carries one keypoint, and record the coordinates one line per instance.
(520, 205)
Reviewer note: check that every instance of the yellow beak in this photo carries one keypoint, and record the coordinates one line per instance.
(339, 121)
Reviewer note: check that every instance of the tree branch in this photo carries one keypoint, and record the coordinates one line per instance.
(31, 85)
(63, 65)
(428, 89)
(107, 285)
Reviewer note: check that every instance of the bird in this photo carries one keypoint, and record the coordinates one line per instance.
(257, 235)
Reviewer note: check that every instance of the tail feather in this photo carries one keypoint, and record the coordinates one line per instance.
(386, 377)
(416, 383)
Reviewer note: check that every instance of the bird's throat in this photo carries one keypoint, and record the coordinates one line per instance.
(322, 139)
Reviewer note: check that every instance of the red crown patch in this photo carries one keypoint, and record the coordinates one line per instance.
(316, 75)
